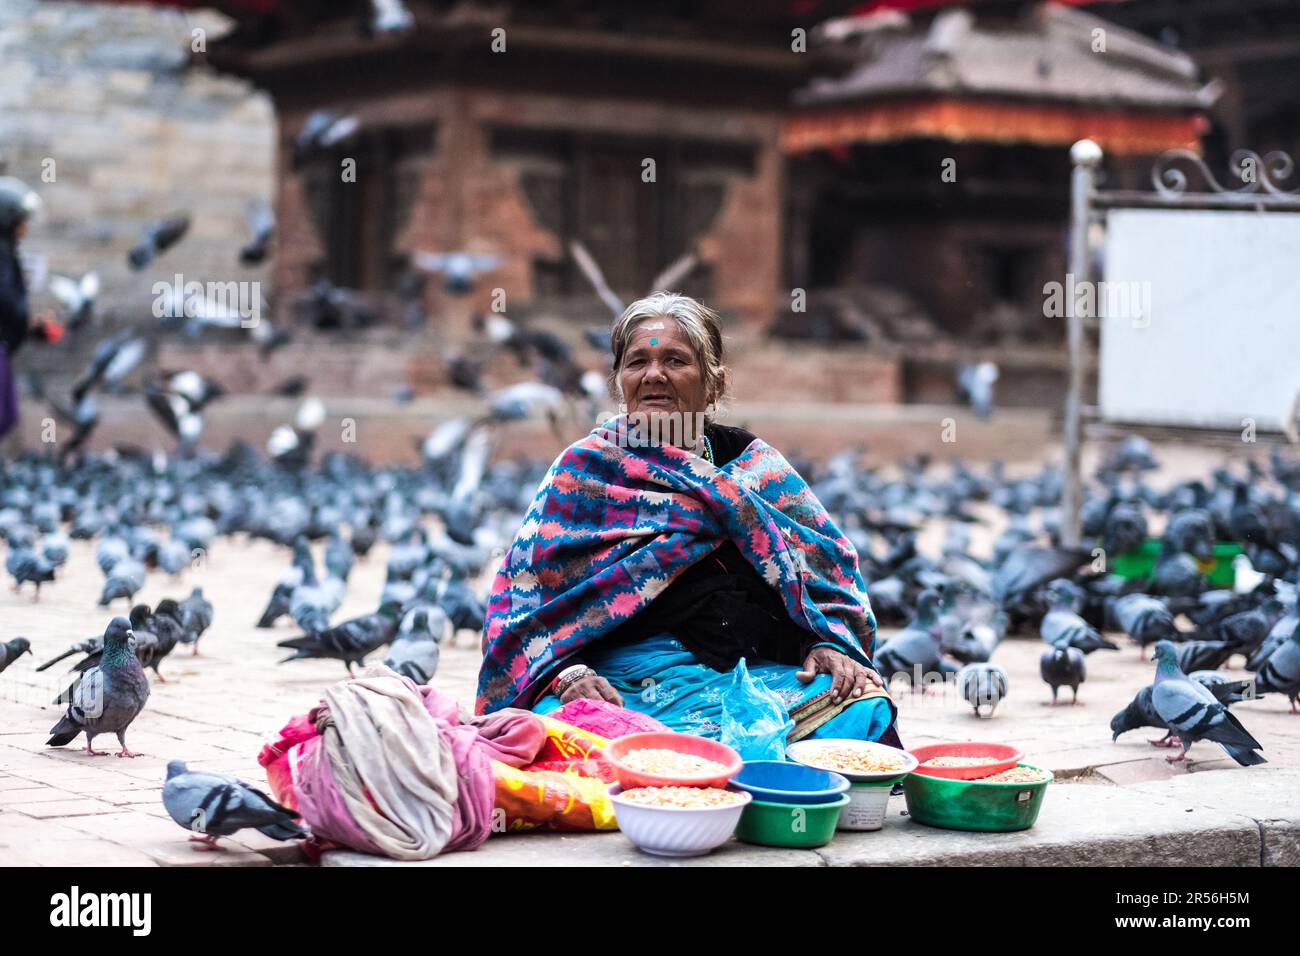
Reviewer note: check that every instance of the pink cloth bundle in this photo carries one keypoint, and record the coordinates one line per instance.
(400, 775)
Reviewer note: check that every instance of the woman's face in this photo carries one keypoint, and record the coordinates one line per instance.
(660, 371)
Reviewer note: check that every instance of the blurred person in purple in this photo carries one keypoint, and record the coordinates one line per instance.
(17, 205)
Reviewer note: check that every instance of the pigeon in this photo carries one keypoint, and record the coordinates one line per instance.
(195, 618)
(268, 337)
(303, 569)
(159, 237)
(77, 296)
(1143, 618)
(109, 696)
(165, 628)
(1192, 712)
(338, 557)
(1281, 671)
(1125, 529)
(1225, 691)
(350, 641)
(1141, 713)
(10, 651)
(147, 644)
(261, 227)
(82, 416)
(322, 131)
(213, 805)
(1062, 623)
(981, 684)
(914, 651)
(124, 580)
(1133, 453)
(459, 269)
(1025, 570)
(1063, 665)
(1190, 531)
(295, 386)
(312, 603)
(1203, 655)
(388, 16)
(1176, 575)
(110, 363)
(1247, 630)
(414, 652)
(25, 565)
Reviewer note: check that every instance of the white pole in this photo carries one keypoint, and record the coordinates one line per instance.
(1086, 156)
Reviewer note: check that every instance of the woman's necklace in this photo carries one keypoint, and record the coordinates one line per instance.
(708, 451)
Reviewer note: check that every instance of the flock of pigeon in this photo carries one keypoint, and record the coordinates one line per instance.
(159, 515)
(964, 607)
(152, 514)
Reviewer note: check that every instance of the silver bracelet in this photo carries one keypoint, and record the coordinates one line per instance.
(570, 676)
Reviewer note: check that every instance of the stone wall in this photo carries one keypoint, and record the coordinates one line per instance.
(134, 135)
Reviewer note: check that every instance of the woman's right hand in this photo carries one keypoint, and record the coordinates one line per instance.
(592, 687)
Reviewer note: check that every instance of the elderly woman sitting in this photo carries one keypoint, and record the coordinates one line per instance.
(663, 548)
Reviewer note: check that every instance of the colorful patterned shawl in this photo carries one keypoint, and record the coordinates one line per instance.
(611, 527)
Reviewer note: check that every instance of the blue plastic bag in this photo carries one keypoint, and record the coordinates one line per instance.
(754, 720)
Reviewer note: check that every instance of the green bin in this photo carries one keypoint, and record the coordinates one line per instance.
(1141, 562)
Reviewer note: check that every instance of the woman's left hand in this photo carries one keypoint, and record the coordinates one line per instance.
(848, 677)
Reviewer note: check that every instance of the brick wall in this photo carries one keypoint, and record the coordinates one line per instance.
(468, 201)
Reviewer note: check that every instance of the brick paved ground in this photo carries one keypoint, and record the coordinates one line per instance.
(60, 806)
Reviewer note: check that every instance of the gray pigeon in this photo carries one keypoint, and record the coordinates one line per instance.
(1202, 655)
(1281, 671)
(1143, 618)
(25, 565)
(982, 683)
(914, 650)
(350, 641)
(1191, 711)
(109, 697)
(124, 580)
(10, 651)
(1141, 712)
(1062, 665)
(1063, 623)
(414, 653)
(196, 617)
(213, 805)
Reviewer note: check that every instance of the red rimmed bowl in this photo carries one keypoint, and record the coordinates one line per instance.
(617, 750)
(1002, 757)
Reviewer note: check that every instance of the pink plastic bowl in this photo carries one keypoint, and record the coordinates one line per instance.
(628, 778)
(1006, 756)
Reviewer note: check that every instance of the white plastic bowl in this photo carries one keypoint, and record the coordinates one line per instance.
(805, 752)
(676, 831)
(868, 792)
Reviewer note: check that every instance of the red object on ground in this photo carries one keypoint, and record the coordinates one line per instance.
(681, 743)
(1006, 756)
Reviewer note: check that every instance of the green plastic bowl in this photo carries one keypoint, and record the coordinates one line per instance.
(973, 805)
(800, 825)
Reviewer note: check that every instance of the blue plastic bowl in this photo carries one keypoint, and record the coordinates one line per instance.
(781, 781)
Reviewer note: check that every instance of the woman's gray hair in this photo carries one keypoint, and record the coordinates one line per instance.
(699, 323)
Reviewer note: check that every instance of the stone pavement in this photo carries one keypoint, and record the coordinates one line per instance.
(1116, 802)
